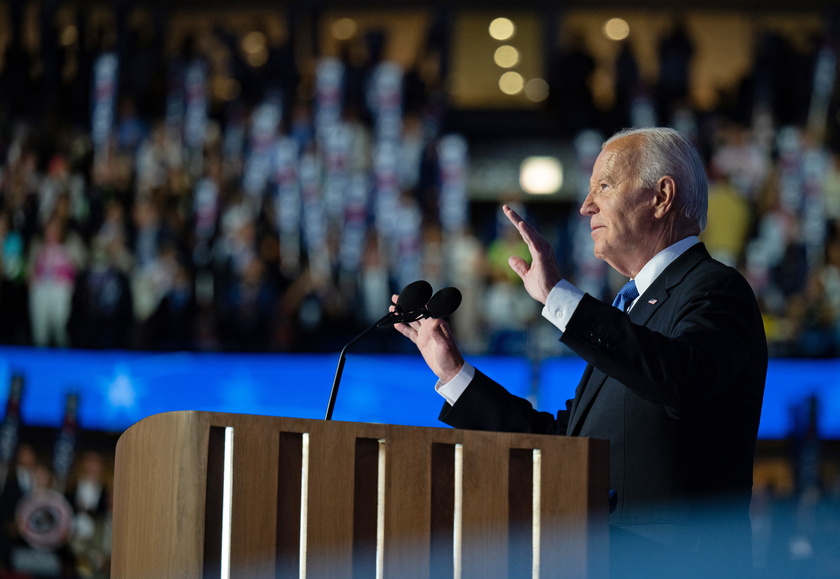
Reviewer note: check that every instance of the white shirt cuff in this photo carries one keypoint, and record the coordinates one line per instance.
(453, 389)
(561, 304)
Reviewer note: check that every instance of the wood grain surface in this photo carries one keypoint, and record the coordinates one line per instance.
(358, 523)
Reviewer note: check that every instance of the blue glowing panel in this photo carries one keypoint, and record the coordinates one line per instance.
(117, 389)
(400, 389)
(558, 379)
(789, 385)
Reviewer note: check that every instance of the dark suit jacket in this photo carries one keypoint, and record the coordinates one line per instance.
(676, 387)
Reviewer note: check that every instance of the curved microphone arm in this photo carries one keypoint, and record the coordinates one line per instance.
(390, 318)
(342, 357)
(407, 309)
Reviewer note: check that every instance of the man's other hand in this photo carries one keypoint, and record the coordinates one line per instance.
(542, 274)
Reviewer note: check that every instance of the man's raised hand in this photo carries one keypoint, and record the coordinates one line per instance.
(543, 274)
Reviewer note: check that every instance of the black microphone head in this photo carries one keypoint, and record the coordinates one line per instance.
(444, 303)
(414, 296)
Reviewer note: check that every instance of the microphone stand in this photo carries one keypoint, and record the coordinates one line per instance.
(342, 357)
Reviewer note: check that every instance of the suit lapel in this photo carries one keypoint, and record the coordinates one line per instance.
(661, 289)
(648, 303)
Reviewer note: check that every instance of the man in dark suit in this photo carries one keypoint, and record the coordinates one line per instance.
(675, 374)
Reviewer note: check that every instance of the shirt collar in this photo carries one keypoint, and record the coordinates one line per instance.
(660, 261)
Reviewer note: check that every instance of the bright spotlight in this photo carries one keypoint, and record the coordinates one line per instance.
(616, 29)
(502, 28)
(541, 175)
(511, 83)
(506, 56)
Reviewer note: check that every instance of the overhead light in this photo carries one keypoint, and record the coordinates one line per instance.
(536, 90)
(344, 29)
(511, 83)
(506, 56)
(502, 28)
(69, 35)
(253, 42)
(541, 175)
(616, 29)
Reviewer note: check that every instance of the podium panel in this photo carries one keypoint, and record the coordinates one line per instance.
(204, 495)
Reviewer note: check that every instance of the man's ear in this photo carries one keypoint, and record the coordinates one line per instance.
(665, 194)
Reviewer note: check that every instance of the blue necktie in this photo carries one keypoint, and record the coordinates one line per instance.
(626, 295)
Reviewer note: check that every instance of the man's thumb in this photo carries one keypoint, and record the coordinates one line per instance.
(519, 265)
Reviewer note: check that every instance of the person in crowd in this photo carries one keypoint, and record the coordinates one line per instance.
(14, 323)
(152, 263)
(676, 369)
(102, 314)
(90, 497)
(19, 481)
(54, 263)
(172, 326)
(246, 308)
(676, 51)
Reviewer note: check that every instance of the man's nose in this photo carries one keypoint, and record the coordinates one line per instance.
(588, 207)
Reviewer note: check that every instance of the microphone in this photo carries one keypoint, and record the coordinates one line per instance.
(443, 303)
(410, 304)
(410, 307)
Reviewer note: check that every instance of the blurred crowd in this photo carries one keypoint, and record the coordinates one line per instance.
(139, 211)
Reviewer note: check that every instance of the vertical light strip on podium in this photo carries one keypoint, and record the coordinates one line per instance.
(304, 500)
(535, 509)
(380, 511)
(227, 503)
(458, 518)
(218, 503)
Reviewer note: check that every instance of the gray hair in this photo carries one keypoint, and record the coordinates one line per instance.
(664, 151)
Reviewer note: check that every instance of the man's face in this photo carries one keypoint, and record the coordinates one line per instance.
(620, 209)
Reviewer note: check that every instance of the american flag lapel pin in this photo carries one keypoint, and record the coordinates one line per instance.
(651, 302)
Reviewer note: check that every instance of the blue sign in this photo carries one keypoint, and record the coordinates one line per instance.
(118, 388)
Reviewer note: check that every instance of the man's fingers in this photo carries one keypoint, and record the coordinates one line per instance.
(529, 234)
(511, 214)
(519, 265)
(517, 221)
(407, 331)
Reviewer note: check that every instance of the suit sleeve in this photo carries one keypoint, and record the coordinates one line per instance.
(709, 335)
(486, 405)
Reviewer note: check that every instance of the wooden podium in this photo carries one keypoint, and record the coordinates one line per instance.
(203, 495)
